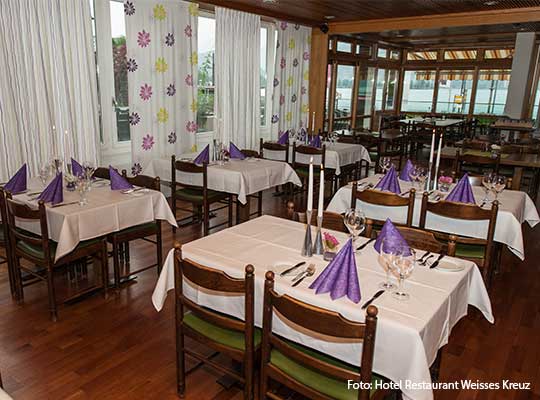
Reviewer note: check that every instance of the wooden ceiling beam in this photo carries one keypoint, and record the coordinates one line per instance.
(491, 17)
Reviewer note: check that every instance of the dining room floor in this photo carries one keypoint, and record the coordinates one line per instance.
(122, 348)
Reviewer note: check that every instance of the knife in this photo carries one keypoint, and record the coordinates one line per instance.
(375, 296)
(64, 204)
(365, 244)
(289, 270)
(436, 261)
(427, 253)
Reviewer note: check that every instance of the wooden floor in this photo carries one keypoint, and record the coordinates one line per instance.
(121, 348)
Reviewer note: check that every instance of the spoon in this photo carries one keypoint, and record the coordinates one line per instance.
(310, 271)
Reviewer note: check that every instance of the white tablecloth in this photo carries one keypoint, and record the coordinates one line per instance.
(107, 211)
(240, 177)
(515, 208)
(409, 334)
(337, 155)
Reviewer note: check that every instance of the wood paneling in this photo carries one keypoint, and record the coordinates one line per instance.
(317, 76)
(315, 11)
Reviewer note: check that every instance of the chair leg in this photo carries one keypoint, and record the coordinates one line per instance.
(19, 291)
(206, 218)
(159, 245)
(259, 203)
(52, 295)
(105, 269)
(230, 210)
(248, 376)
(116, 264)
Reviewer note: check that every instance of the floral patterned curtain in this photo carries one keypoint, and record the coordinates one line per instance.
(290, 107)
(162, 78)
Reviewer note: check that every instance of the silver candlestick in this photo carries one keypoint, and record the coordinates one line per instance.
(318, 247)
(307, 250)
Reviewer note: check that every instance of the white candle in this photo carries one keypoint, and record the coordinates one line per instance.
(310, 186)
(431, 151)
(321, 194)
(54, 149)
(313, 122)
(438, 159)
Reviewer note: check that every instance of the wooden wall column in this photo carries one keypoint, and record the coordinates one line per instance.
(317, 76)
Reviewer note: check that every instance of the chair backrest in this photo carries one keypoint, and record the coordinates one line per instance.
(467, 212)
(143, 181)
(250, 153)
(368, 141)
(3, 218)
(218, 281)
(331, 220)
(476, 180)
(386, 199)
(321, 321)
(102, 173)
(308, 151)
(16, 210)
(273, 146)
(191, 169)
(476, 160)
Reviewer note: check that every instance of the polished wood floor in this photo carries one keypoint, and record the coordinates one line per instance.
(121, 348)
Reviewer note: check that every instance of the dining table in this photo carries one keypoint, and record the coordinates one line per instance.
(409, 333)
(515, 208)
(106, 211)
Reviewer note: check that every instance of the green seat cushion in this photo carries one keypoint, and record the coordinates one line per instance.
(192, 195)
(373, 155)
(331, 387)
(303, 172)
(37, 251)
(470, 250)
(226, 337)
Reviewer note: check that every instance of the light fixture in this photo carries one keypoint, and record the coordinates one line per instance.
(491, 3)
(329, 16)
(269, 1)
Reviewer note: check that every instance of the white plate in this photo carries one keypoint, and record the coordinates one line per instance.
(450, 266)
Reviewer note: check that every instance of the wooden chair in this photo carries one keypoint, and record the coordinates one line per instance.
(4, 241)
(394, 149)
(250, 153)
(319, 158)
(331, 220)
(371, 143)
(40, 251)
(120, 240)
(198, 195)
(476, 180)
(386, 199)
(419, 136)
(306, 371)
(102, 173)
(420, 239)
(237, 339)
(478, 250)
(476, 163)
(273, 146)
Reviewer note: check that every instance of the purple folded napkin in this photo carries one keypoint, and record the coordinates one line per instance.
(76, 168)
(389, 182)
(462, 192)
(204, 156)
(235, 152)
(340, 277)
(391, 235)
(283, 138)
(17, 183)
(405, 174)
(315, 141)
(117, 181)
(54, 193)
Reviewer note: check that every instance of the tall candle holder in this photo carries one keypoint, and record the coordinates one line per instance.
(318, 247)
(307, 250)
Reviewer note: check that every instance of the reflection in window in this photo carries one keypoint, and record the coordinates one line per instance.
(394, 55)
(379, 89)
(454, 95)
(206, 42)
(418, 89)
(491, 92)
(382, 53)
(345, 47)
(365, 91)
(343, 101)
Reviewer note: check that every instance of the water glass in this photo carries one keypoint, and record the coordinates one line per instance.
(402, 265)
(487, 182)
(386, 258)
(385, 163)
(355, 221)
(82, 185)
(498, 185)
(44, 173)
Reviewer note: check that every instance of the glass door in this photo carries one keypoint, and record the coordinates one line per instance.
(364, 101)
(343, 96)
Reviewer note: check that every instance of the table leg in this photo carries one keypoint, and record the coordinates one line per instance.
(516, 179)
(242, 211)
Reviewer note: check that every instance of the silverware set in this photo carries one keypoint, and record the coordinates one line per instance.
(309, 271)
(373, 298)
(436, 263)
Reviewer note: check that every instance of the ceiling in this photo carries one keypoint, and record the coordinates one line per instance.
(314, 12)
(455, 36)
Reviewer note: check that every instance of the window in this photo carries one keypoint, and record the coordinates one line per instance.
(363, 50)
(264, 73)
(395, 55)
(460, 55)
(364, 101)
(206, 48)
(391, 89)
(454, 95)
(418, 89)
(421, 55)
(491, 92)
(490, 54)
(344, 47)
(343, 101)
(382, 53)
(379, 88)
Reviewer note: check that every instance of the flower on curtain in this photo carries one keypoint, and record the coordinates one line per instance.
(161, 65)
(188, 31)
(159, 12)
(143, 38)
(136, 169)
(129, 8)
(131, 65)
(169, 39)
(146, 92)
(148, 142)
(171, 90)
(134, 118)
(172, 138)
(189, 80)
(162, 115)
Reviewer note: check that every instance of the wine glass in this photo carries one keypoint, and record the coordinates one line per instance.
(58, 164)
(487, 182)
(385, 163)
(422, 177)
(44, 173)
(402, 265)
(498, 185)
(355, 221)
(386, 256)
(82, 184)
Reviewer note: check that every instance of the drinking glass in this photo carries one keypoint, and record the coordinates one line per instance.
(355, 221)
(58, 164)
(498, 185)
(487, 182)
(386, 258)
(422, 177)
(402, 265)
(44, 173)
(82, 184)
(413, 173)
(385, 163)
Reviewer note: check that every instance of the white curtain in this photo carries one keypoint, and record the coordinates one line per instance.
(290, 102)
(162, 78)
(48, 79)
(238, 48)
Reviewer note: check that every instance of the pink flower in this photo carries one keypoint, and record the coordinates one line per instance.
(306, 55)
(281, 100)
(192, 126)
(189, 80)
(188, 31)
(330, 240)
(145, 92)
(143, 38)
(147, 142)
(283, 63)
(445, 179)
